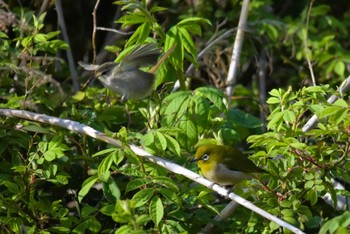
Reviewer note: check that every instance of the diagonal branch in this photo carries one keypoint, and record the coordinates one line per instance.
(345, 86)
(171, 166)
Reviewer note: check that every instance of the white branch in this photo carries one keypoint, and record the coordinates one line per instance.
(173, 167)
(237, 48)
(345, 86)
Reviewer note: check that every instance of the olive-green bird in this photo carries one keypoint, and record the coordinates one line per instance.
(224, 164)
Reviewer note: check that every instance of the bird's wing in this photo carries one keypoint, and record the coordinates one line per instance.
(235, 160)
(141, 56)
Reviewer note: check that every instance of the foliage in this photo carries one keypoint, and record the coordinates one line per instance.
(53, 180)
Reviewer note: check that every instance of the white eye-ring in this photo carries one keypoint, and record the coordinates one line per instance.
(205, 157)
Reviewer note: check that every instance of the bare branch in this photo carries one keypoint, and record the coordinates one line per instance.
(237, 48)
(345, 86)
(306, 45)
(70, 58)
(114, 31)
(94, 30)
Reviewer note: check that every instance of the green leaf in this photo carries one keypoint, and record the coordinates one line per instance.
(193, 20)
(275, 120)
(111, 190)
(216, 96)
(289, 116)
(140, 34)
(273, 100)
(87, 210)
(156, 210)
(187, 42)
(173, 145)
(171, 195)
(86, 186)
(166, 182)
(243, 119)
(161, 140)
(127, 20)
(143, 196)
(136, 184)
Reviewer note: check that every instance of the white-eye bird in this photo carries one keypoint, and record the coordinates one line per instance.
(224, 164)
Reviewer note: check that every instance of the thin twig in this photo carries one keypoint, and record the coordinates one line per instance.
(114, 31)
(306, 44)
(236, 51)
(173, 167)
(94, 31)
(70, 58)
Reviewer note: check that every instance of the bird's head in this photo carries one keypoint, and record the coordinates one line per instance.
(208, 157)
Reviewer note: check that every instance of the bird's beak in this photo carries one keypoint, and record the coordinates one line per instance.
(194, 160)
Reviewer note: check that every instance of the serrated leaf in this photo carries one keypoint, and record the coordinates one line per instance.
(140, 34)
(111, 190)
(156, 210)
(166, 182)
(216, 96)
(173, 145)
(143, 196)
(136, 184)
(161, 140)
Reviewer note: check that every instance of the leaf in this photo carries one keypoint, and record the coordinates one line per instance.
(273, 100)
(87, 210)
(140, 34)
(143, 196)
(171, 195)
(111, 190)
(136, 184)
(339, 68)
(216, 96)
(187, 42)
(156, 210)
(161, 140)
(173, 145)
(166, 182)
(86, 186)
(243, 119)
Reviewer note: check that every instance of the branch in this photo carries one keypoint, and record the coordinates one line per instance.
(345, 86)
(94, 31)
(70, 58)
(237, 48)
(306, 45)
(114, 31)
(173, 167)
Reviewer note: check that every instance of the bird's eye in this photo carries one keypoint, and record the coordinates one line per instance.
(205, 157)
(104, 72)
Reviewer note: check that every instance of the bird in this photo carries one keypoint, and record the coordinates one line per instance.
(126, 78)
(225, 165)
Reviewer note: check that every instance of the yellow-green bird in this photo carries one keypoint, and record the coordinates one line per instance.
(224, 164)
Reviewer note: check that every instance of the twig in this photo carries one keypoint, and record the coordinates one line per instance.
(173, 167)
(44, 6)
(345, 86)
(237, 48)
(114, 31)
(207, 48)
(94, 31)
(70, 58)
(306, 45)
